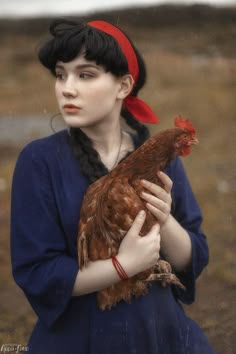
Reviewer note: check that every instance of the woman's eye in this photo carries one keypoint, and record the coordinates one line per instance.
(60, 76)
(85, 75)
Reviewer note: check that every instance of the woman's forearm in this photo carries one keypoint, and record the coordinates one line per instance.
(135, 255)
(176, 245)
(96, 276)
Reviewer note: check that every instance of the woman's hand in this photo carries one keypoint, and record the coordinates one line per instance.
(159, 201)
(137, 253)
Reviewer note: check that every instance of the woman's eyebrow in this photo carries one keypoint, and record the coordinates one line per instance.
(80, 66)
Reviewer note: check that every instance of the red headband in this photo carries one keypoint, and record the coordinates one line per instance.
(140, 110)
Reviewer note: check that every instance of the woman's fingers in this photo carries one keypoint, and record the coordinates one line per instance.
(158, 191)
(156, 202)
(158, 199)
(167, 182)
(137, 223)
(159, 215)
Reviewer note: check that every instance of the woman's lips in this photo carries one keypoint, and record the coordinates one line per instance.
(70, 108)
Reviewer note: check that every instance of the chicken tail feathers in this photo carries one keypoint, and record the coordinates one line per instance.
(83, 251)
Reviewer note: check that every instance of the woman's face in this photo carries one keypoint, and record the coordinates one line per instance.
(86, 94)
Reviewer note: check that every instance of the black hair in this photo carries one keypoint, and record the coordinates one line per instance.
(71, 38)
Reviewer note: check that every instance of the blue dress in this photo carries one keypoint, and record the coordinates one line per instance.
(47, 193)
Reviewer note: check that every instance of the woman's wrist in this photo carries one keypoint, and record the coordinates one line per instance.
(165, 225)
(126, 264)
(176, 244)
(119, 269)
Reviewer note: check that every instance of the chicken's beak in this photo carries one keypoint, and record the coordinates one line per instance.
(193, 141)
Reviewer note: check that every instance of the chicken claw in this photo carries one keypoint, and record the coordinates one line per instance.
(165, 279)
(163, 273)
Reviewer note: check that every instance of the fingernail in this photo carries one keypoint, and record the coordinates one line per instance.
(142, 213)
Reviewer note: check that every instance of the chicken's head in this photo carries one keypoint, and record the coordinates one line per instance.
(185, 138)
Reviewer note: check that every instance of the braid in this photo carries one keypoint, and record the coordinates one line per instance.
(90, 162)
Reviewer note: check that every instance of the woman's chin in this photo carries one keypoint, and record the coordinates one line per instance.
(73, 121)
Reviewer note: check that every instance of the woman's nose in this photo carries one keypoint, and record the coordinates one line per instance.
(69, 89)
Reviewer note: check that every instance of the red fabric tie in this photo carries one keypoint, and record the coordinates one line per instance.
(138, 108)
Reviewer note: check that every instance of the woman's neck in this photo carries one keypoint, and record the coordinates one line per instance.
(111, 143)
(105, 139)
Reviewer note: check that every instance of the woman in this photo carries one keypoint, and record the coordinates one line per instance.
(98, 76)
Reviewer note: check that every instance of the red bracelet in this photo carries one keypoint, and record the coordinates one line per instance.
(118, 267)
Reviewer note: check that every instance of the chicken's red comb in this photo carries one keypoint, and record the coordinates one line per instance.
(184, 124)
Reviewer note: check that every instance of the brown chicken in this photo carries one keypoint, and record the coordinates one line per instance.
(112, 203)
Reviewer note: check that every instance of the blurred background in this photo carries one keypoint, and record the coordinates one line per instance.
(190, 53)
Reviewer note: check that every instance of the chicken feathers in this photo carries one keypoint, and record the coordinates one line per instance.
(111, 204)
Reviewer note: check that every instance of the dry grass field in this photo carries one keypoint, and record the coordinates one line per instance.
(192, 71)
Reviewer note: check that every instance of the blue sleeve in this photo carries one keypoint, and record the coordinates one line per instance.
(186, 211)
(41, 264)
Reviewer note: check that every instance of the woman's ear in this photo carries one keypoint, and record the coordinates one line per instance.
(126, 86)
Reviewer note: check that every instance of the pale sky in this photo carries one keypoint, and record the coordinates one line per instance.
(61, 7)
